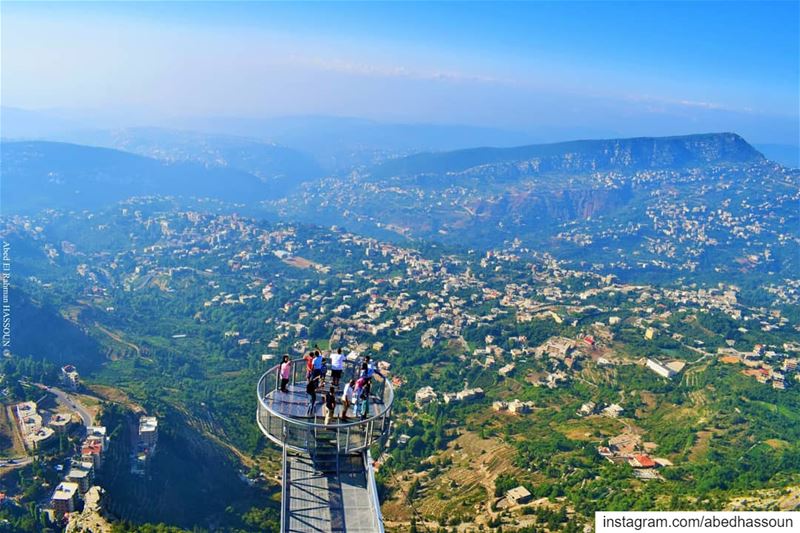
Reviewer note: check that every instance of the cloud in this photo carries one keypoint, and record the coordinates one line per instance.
(394, 71)
(657, 104)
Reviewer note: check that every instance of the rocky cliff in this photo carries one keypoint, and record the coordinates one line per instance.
(636, 154)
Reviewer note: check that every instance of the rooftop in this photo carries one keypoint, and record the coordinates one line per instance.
(65, 490)
(148, 423)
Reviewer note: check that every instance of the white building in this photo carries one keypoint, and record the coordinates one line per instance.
(65, 498)
(81, 474)
(424, 396)
(587, 409)
(660, 369)
(148, 431)
(519, 407)
(613, 411)
(70, 377)
(506, 370)
(499, 405)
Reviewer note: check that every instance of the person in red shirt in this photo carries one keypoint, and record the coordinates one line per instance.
(309, 357)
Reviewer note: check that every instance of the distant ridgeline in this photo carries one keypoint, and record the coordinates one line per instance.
(642, 153)
(38, 175)
(689, 203)
(686, 204)
(41, 332)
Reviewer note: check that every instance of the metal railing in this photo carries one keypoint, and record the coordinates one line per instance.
(299, 433)
(285, 492)
(372, 488)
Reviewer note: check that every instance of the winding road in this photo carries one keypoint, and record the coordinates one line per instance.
(63, 398)
(70, 402)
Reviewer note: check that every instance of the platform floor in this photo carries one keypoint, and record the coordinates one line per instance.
(295, 403)
(328, 494)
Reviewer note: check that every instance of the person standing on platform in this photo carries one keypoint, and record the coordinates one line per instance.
(311, 389)
(309, 359)
(337, 366)
(358, 391)
(330, 405)
(286, 372)
(316, 365)
(347, 398)
(365, 399)
(323, 370)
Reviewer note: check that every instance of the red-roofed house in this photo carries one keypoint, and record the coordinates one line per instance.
(641, 461)
(94, 453)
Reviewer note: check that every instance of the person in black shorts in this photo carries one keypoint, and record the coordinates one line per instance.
(311, 390)
(330, 404)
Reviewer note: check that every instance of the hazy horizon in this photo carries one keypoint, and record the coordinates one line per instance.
(652, 69)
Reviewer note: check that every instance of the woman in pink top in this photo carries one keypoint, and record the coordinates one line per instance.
(286, 371)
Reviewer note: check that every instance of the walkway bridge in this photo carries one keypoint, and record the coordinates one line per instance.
(328, 480)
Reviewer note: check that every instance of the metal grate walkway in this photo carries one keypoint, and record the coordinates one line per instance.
(328, 479)
(329, 493)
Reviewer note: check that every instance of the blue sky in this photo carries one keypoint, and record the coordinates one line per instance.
(554, 68)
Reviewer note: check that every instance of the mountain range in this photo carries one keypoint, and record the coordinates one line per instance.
(561, 195)
(40, 174)
(643, 153)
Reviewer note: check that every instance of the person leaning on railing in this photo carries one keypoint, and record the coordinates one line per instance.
(347, 398)
(368, 368)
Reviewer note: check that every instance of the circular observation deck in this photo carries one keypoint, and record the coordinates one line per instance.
(284, 418)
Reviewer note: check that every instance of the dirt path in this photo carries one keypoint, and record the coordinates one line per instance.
(701, 446)
(10, 421)
(117, 338)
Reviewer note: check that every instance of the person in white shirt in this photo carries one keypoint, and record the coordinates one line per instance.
(347, 398)
(337, 366)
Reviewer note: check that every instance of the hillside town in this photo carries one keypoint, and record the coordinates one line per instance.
(503, 336)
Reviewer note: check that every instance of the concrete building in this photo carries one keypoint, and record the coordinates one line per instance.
(70, 377)
(641, 461)
(81, 474)
(613, 411)
(518, 495)
(148, 431)
(506, 370)
(499, 405)
(30, 424)
(92, 451)
(65, 498)
(587, 409)
(467, 395)
(424, 396)
(660, 369)
(60, 422)
(519, 407)
(98, 434)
